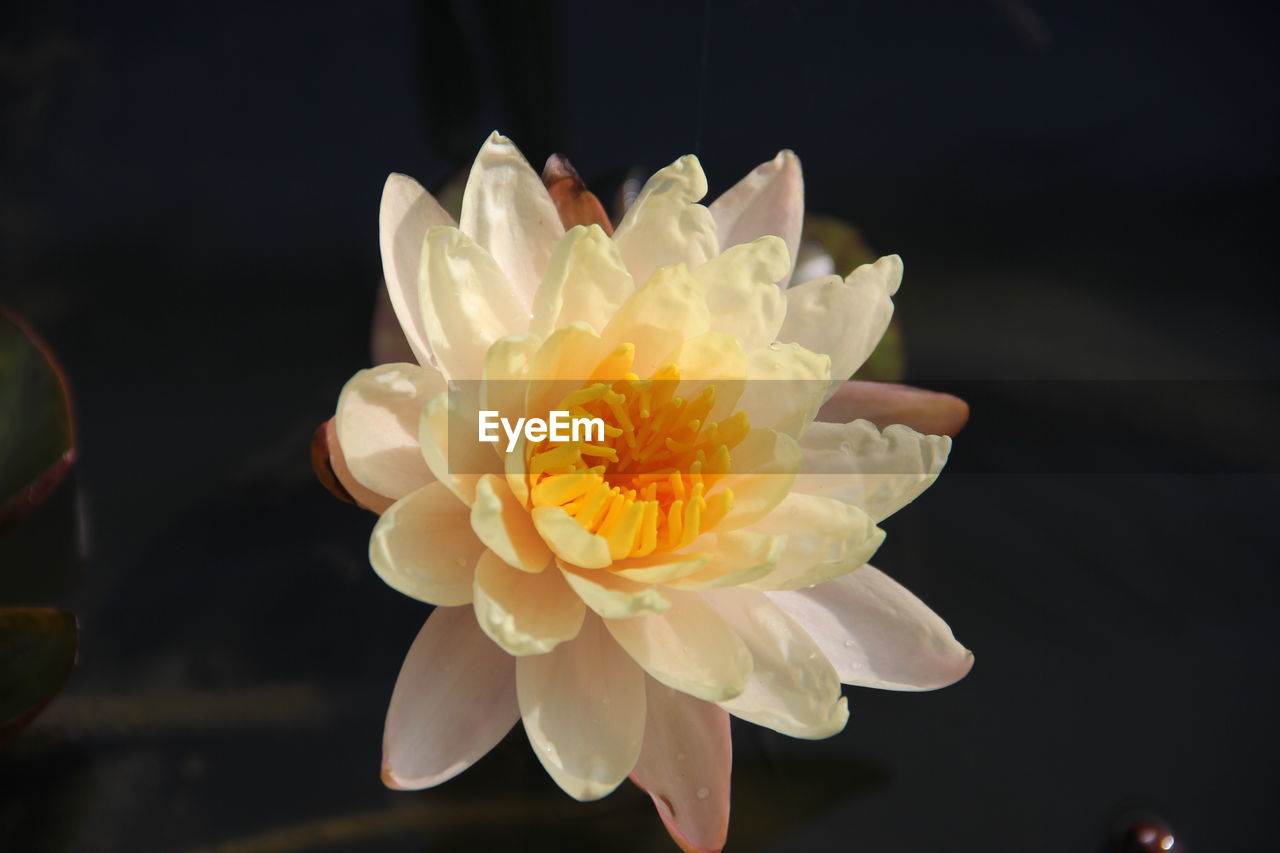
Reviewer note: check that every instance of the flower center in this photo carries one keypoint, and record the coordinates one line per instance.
(645, 487)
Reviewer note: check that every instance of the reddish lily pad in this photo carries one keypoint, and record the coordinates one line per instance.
(37, 654)
(37, 440)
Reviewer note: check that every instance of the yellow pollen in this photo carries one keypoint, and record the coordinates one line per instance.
(649, 486)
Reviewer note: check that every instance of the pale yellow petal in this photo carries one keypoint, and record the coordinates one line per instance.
(569, 540)
(583, 708)
(377, 426)
(659, 316)
(504, 525)
(881, 472)
(736, 557)
(448, 435)
(614, 597)
(843, 318)
(826, 538)
(689, 648)
(793, 688)
(526, 614)
(466, 302)
(741, 290)
(423, 546)
(665, 226)
(762, 471)
(585, 282)
(786, 385)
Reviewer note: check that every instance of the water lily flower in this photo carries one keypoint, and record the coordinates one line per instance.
(623, 597)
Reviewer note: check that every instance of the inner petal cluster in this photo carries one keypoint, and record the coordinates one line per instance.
(648, 485)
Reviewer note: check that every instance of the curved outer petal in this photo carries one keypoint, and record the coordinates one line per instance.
(377, 426)
(793, 689)
(467, 302)
(843, 318)
(503, 524)
(826, 538)
(364, 497)
(688, 648)
(786, 384)
(740, 290)
(507, 210)
(454, 700)
(769, 200)
(684, 765)
(583, 708)
(614, 597)
(876, 633)
(879, 472)
(885, 404)
(585, 281)
(665, 226)
(526, 614)
(423, 546)
(406, 213)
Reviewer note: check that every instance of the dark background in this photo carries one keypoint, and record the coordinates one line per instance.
(1081, 191)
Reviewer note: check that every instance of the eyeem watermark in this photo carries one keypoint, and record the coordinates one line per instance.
(559, 426)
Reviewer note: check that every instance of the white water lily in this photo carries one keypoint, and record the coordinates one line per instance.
(708, 558)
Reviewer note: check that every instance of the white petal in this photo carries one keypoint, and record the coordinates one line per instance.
(526, 614)
(466, 301)
(423, 546)
(585, 281)
(769, 200)
(377, 423)
(684, 765)
(826, 538)
(688, 648)
(407, 212)
(454, 700)
(665, 226)
(858, 464)
(876, 633)
(793, 688)
(583, 708)
(506, 209)
(741, 291)
(843, 318)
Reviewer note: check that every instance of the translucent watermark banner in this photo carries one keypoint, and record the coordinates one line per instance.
(635, 432)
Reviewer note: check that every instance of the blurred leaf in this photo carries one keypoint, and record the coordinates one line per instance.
(848, 250)
(37, 442)
(37, 653)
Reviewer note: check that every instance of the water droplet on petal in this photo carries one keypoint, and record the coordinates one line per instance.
(775, 346)
(848, 644)
(845, 447)
(703, 793)
(679, 756)
(461, 561)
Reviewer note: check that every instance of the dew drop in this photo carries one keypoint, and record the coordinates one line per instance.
(848, 644)
(461, 561)
(703, 793)
(775, 346)
(679, 756)
(845, 447)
